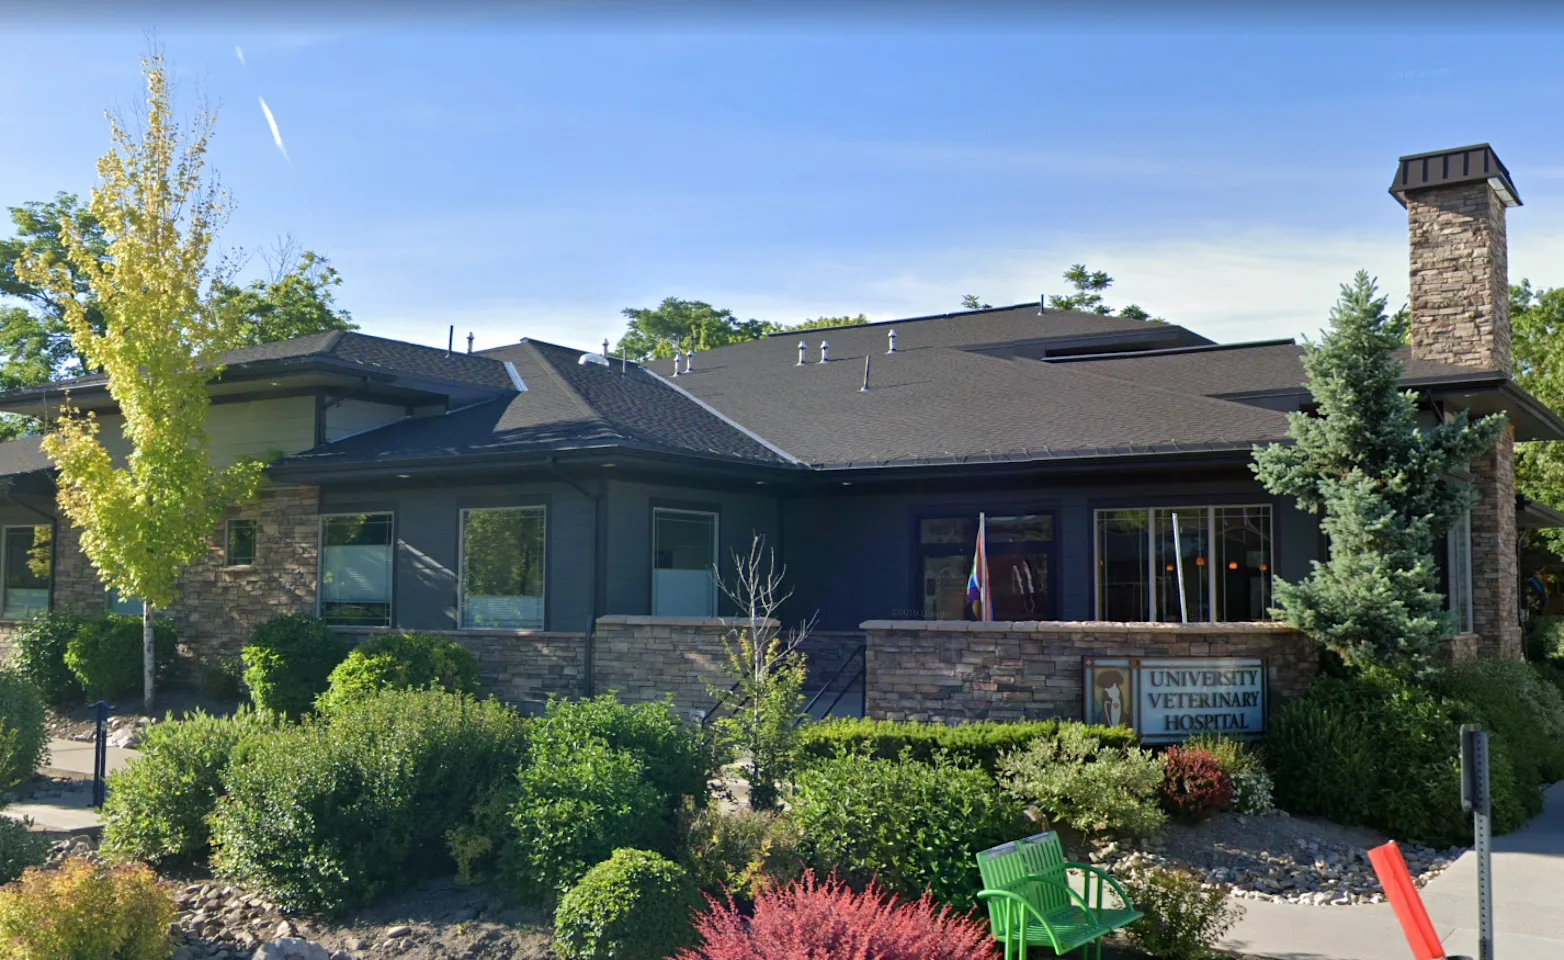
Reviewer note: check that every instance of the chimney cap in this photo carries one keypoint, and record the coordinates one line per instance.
(1440, 168)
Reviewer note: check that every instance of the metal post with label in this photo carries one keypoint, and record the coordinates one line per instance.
(1478, 801)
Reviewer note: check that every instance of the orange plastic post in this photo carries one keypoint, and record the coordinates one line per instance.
(1391, 869)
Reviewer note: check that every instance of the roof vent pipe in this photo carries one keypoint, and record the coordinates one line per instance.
(676, 361)
(801, 349)
(825, 351)
(1042, 302)
(890, 336)
(689, 360)
(469, 341)
(865, 387)
(605, 348)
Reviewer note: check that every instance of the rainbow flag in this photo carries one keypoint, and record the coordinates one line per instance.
(978, 596)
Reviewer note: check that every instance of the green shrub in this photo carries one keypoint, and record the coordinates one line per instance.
(1245, 768)
(23, 742)
(475, 845)
(288, 662)
(328, 814)
(981, 743)
(740, 853)
(913, 825)
(1521, 708)
(86, 911)
(400, 661)
(1545, 639)
(1183, 920)
(222, 678)
(1380, 751)
(40, 656)
(105, 654)
(20, 848)
(635, 905)
(677, 760)
(157, 807)
(1077, 780)
(575, 804)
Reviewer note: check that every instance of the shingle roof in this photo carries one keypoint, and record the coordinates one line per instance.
(1231, 370)
(23, 455)
(566, 405)
(932, 402)
(351, 348)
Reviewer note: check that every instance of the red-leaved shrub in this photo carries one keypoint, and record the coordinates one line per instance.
(1193, 785)
(808, 919)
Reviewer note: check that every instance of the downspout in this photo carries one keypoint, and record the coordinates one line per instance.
(595, 582)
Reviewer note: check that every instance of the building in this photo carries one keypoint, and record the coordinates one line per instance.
(559, 512)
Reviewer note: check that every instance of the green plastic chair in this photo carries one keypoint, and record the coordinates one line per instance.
(1026, 884)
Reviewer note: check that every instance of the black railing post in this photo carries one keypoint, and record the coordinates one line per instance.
(100, 755)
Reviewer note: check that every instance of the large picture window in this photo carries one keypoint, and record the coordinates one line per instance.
(684, 558)
(355, 569)
(1220, 555)
(29, 571)
(503, 554)
(1020, 562)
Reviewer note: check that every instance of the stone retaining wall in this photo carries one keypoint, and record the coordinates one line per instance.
(646, 658)
(520, 666)
(951, 670)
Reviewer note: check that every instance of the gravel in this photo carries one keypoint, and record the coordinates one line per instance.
(1276, 857)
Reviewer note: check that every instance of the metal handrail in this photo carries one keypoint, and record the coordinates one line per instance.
(857, 651)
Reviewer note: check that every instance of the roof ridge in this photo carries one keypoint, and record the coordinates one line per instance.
(1174, 351)
(570, 391)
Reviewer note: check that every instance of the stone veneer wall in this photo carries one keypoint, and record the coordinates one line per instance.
(646, 658)
(952, 670)
(1460, 293)
(219, 606)
(517, 665)
(1495, 560)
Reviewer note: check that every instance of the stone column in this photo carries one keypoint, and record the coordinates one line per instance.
(1495, 563)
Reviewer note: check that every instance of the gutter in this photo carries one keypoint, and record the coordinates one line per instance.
(596, 580)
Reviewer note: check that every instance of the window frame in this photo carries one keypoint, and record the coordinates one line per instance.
(5, 534)
(920, 552)
(461, 564)
(1465, 622)
(716, 552)
(320, 568)
(1209, 509)
(228, 541)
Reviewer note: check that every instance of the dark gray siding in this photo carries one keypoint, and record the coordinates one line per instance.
(427, 532)
(629, 551)
(852, 557)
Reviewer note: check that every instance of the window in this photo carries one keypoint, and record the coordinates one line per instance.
(1020, 560)
(1220, 555)
(29, 571)
(240, 548)
(1460, 572)
(502, 568)
(684, 558)
(128, 606)
(355, 569)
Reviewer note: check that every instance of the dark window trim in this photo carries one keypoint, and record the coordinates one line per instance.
(1096, 506)
(54, 560)
(967, 509)
(228, 542)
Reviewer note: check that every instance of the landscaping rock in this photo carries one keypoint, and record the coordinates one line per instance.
(292, 948)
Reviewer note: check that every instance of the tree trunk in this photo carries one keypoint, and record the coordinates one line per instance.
(148, 658)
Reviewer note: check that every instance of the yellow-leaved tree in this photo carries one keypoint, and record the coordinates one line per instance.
(144, 522)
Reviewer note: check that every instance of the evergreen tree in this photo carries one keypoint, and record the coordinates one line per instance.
(1383, 484)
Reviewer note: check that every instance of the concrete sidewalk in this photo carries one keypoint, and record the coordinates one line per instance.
(1528, 893)
(66, 807)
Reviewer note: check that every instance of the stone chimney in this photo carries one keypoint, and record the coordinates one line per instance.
(1460, 304)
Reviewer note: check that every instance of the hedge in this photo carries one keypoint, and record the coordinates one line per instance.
(981, 743)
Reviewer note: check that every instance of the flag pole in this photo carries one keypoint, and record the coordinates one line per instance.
(988, 610)
(1178, 561)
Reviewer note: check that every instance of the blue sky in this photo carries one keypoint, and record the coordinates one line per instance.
(532, 174)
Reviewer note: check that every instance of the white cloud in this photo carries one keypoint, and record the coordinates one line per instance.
(1228, 283)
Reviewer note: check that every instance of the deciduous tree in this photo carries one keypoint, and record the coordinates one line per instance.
(158, 341)
(1383, 485)
(1537, 323)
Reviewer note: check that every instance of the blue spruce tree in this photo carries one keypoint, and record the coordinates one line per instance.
(1383, 484)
